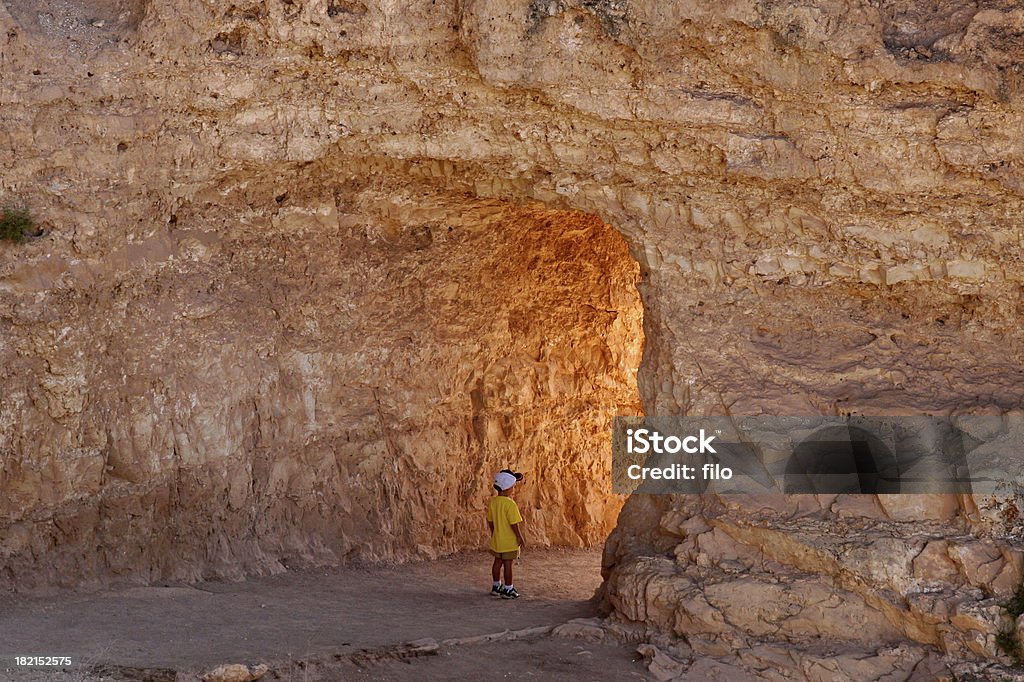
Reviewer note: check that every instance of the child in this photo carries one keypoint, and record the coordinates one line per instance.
(506, 523)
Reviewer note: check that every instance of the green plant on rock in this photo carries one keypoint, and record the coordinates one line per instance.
(16, 224)
(1009, 644)
(1015, 604)
(1008, 640)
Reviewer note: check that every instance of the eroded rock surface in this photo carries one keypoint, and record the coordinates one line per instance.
(346, 394)
(720, 574)
(293, 301)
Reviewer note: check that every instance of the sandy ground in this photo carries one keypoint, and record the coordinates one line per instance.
(306, 625)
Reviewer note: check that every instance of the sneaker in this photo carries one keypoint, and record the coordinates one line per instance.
(496, 590)
(510, 593)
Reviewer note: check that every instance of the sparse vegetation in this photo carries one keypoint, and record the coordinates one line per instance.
(1015, 604)
(1009, 644)
(16, 224)
(1008, 640)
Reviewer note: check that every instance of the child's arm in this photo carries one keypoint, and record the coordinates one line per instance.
(519, 534)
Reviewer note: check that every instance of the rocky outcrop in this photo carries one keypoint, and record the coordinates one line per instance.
(723, 575)
(298, 290)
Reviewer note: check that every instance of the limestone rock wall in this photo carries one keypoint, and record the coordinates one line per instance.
(311, 370)
(824, 199)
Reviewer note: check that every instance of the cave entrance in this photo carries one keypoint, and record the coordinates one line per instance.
(556, 336)
(509, 336)
(842, 459)
(423, 340)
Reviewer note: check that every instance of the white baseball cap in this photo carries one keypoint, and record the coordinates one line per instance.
(506, 479)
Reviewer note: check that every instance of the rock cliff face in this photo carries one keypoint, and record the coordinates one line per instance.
(219, 365)
(314, 267)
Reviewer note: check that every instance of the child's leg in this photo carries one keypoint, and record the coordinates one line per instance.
(508, 570)
(496, 570)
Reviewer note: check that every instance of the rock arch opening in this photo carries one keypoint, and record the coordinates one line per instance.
(523, 341)
(323, 373)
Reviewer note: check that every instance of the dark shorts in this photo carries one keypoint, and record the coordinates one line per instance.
(514, 554)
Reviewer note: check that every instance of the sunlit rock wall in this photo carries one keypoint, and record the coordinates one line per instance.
(311, 368)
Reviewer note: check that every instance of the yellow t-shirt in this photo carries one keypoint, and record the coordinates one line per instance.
(503, 513)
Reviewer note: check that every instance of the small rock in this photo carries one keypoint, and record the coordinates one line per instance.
(934, 564)
(235, 672)
(660, 664)
(586, 629)
(425, 645)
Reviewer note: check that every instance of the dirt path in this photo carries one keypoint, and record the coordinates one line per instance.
(321, 613)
